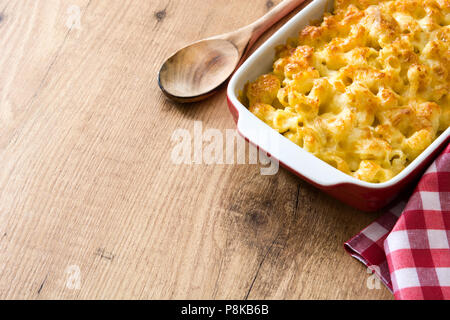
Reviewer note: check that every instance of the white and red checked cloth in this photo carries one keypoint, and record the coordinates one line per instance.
(409, 246)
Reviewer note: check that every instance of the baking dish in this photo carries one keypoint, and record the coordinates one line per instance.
(359, 194)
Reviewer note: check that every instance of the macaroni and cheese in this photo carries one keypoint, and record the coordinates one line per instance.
(366, 90)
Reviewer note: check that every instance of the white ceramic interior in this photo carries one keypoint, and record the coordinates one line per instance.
(275, 144)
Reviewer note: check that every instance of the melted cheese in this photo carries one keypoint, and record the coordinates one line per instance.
(366, 90)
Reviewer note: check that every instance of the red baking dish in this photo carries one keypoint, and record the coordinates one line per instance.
(359, 194)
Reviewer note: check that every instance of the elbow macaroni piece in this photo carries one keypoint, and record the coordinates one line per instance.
(366, 90)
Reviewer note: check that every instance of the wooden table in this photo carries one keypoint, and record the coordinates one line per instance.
(91, 204)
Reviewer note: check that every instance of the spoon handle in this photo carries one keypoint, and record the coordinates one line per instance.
(273, 16)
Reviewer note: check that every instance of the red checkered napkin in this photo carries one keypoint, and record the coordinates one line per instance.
(409, 246)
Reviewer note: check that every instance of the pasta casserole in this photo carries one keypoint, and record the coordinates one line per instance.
(366, 90)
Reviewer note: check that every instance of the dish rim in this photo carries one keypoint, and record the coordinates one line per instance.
(246, 118)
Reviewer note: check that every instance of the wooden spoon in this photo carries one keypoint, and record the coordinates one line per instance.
(196, 71)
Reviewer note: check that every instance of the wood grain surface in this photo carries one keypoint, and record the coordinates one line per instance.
(91, 204)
